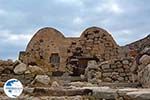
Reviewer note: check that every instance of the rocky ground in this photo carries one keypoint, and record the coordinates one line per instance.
(82, 93)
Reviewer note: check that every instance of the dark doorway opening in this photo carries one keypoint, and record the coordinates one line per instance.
(55, 59)
(80, 65)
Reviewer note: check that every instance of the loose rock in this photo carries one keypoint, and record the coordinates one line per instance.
(20, 69)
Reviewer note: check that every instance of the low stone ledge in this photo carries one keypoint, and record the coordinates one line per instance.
(60, 92)
(139, 95)
(132, 85)
(96, 92)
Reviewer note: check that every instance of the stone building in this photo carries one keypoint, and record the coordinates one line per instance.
(54, 52)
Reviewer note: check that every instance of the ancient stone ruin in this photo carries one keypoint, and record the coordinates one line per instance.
(51, 50)
(90, 67)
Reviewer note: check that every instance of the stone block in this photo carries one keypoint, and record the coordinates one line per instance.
(105, 66)
(125, 62)
(145, 59)
(108, 74)
(107, 79)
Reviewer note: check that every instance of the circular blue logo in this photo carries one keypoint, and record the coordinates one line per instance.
(13, 88)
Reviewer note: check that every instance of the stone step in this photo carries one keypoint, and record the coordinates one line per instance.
(60, 92)
(70, 78)
(133, 85)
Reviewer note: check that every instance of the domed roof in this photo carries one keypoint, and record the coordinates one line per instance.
(97, 31)
(46, 34)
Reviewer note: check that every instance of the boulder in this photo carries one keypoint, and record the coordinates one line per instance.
(35, 70)
(144, 76)
(145, 59)
(20, 69)
(43, 79)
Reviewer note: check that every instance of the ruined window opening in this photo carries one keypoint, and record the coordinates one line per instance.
(85, 35)
(55, 59)
(41, 40)
(68, 51)
(74, 43)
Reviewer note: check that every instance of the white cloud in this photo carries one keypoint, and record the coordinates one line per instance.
(77, 20)
(20, 37)
(73, 2)
(2, 12)
(7, 36)
(109, 6)
(125, 32)
(115, 8)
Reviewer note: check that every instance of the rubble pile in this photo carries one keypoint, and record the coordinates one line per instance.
(21, 71)
(6, 68)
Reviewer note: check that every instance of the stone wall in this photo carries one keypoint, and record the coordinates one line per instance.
(135, 48)
(44, 43)
(6, 68)
(117, 70)
(140, 44)
(17, 69)
(98, 42)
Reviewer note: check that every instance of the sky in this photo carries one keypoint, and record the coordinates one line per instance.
(125, 20)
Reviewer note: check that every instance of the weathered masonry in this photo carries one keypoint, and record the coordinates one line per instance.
(54, 52)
